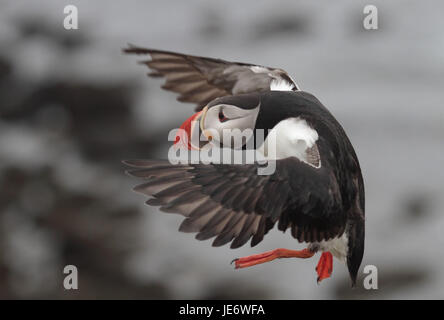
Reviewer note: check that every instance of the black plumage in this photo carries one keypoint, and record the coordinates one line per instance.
(317, 201)
(314, 203)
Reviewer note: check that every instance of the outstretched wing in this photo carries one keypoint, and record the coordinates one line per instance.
(201, 80)
(234, 203)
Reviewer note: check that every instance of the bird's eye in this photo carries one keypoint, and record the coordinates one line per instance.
(222, 117)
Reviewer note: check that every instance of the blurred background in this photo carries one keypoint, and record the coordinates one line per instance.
(72, 106)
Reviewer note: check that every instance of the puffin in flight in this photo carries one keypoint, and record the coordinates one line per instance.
(316, 190)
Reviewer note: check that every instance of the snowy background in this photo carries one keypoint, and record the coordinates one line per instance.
(72, 106)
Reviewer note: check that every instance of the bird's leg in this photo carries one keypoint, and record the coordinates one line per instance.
(323, 269)
(271, 255)
(325, 266)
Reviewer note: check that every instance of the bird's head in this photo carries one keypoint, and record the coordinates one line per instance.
(228, 121)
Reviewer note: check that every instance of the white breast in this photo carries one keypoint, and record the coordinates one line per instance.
(337, 246)
(291, 137)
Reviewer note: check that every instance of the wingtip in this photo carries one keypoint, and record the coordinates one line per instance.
(128, 48)
(142, 163)
(134, 163)
(133, 49)
(129, 174)
(130, 163)
(353, 284)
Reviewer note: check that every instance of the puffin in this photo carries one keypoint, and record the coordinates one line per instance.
(316, 190)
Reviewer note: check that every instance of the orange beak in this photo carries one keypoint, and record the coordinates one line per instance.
(184, 136)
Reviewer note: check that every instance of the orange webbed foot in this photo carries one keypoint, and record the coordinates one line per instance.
(325, 266)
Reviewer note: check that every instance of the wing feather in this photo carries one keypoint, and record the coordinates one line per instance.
(234, 204)
(200, 80)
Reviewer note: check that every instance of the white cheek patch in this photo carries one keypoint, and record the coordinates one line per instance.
(233, 112)
(235, 131)
(292, 137)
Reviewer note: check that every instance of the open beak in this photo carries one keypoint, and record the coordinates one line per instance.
(189, 136)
